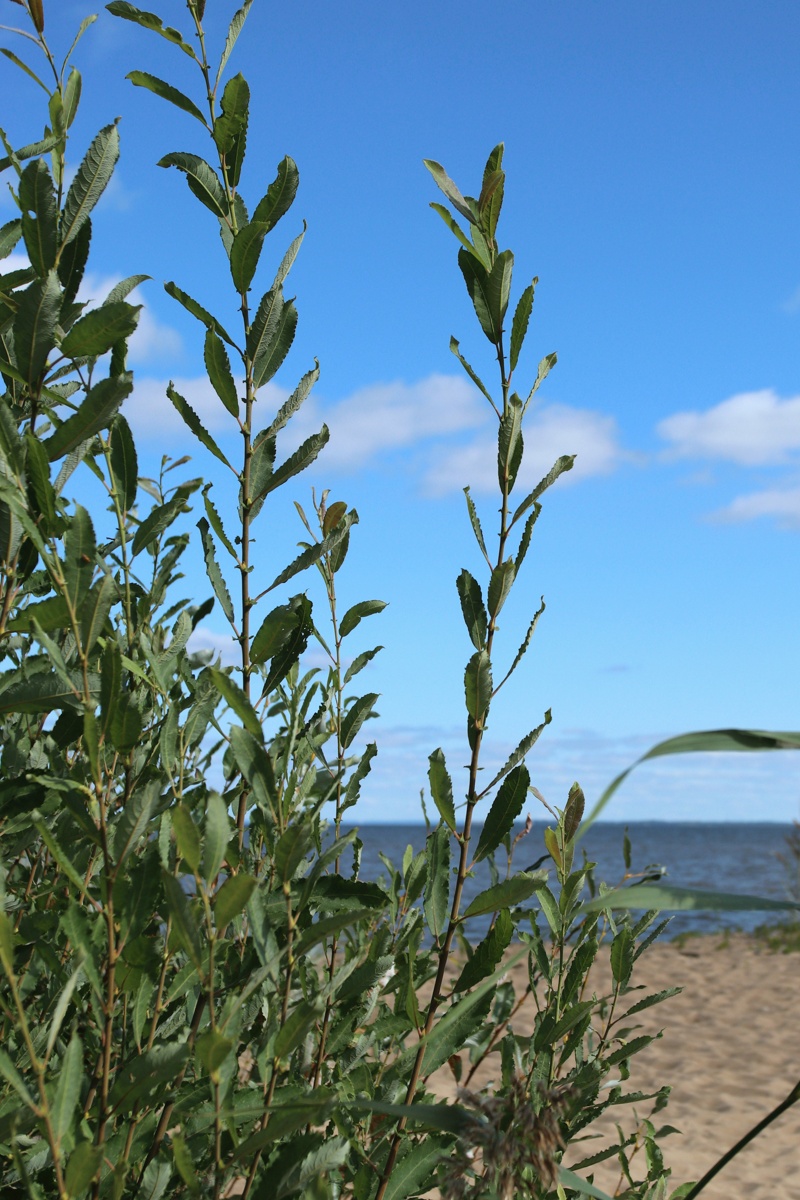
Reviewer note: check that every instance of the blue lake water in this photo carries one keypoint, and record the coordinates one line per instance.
(739, 858)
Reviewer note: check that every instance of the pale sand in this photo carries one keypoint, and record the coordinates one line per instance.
(731, 1052)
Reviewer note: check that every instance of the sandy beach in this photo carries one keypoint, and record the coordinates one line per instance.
(731, 1052)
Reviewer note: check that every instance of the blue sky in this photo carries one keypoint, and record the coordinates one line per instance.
(653, 175)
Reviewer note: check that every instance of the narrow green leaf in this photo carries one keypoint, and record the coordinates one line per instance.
(276, 630)
(488, 953)
(353, 789)
(10, 233)
(35, 325)
(519, 326)
(472, 606)
(212, 1048)
(475, 523)
(303, 457)
(445, 183)
(96, 412)
(68, 1088)
(145, 1074)
(442, 788)
(437, 882)
(83, 1165)
(291, 406)
(187, 836)
(454, 347)
(232, 898)
(506, 807)
(478, 686)
(90, 182)
(193, 421)
(500, 287)
(234, 29)
(503, 895)
(182, 918)
(214, 573)
(148, 20)
(245, 253)
(526, 642)
(100, 329)
(358, 664)
(198, 311)
(510, 444)
(12, 1076)
(665, 898)
(564, 463)
(167, 92)
(217, 834)
(500, 585)
(255, 765)
(476, 278)
(355, 717)
(622, 948)
(271, 336)
(455, 228)
(293, 845)
(280, 194)
(235, 697)
(37, 200)
(132, 823)
(156, 521)
(294, 1030)
(414, 1170)
(60, 855)
(203, 181)
(571, 1180)
(356, 614)
(95, 610)
(124, 463)
(315, 552)
(520, 751)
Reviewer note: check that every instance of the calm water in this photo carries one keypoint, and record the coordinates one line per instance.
(732, 858)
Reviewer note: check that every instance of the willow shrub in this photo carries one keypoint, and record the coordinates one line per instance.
(199, 993)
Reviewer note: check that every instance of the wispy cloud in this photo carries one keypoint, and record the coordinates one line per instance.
(554, 430)
(792, 304)
(750, 429)
(780, 503)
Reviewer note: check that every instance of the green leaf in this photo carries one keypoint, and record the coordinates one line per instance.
(6, 943)
(232, 898)
(525, 643)
(622, 949)
(284, 656)
(235, 697)
(708, 741)
(355, 614)
(358, 664)
(510, 444)
(156, 521)
(571, 1180)
(303, 457)
(519, 326)
(212, 1049)
(72, 263)
(37, 469)
(193, 421)
(291, 406)
(187, 836)
(124, 463)
(167, 92)
(488, 953)
(414, 1170)
(198, 311)
(665, 898)
(42, 694)
(437, 883)
(216, 836)
(476, 278)
(295, 1028)
(131, 825)
(521, 750)
(506, 807)
(478, 686)
(90, 182)
(245, 253)
(255, 765)
(442, 788)
(564, 463)
(476, 524)
(214, 573)
(96, 412)
(182, 919)
(500, 585)
(573, 813)
(185, 1164)
(475, 618)
(355, 717)
(95, 609)
(328, 544)
(271, 335)
(321, 930)
(455, 228)
(353, 789)
(454, 347)
(293, 845)
(234, 29)
(68, 1088)
(503, 895)
(35, 326)
(60, 855)
(12, 1076)
(280, 194)
(148, 20)
(83, 1165)
(40, 230)
(10, 233)
(147, 1073)
(99, 330)
(445, 183)
(203, 181)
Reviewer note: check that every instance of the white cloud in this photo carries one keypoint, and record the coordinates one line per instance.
(751, 429)
(792, 305)
(783, 504)
(553, 430)
(153, 416)
(392, 416)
